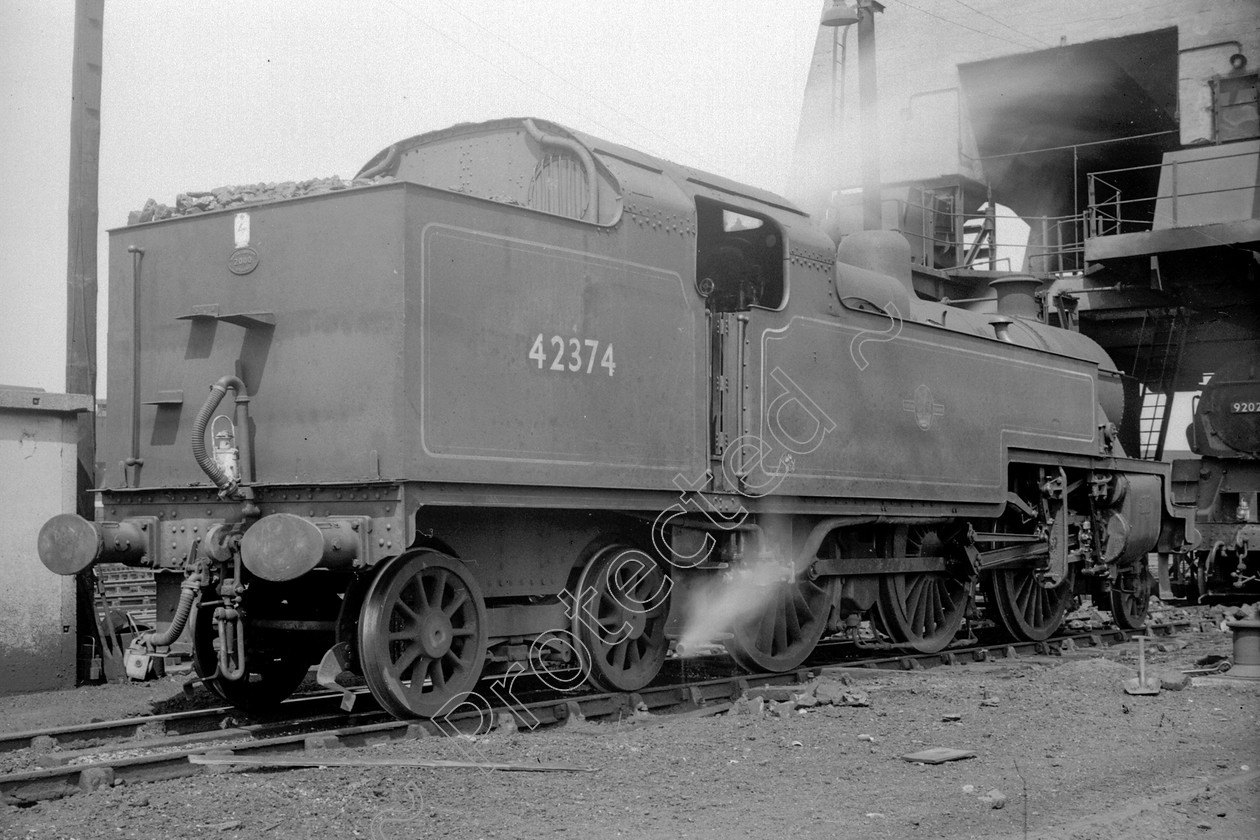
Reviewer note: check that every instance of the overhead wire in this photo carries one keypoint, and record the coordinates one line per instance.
(509, 74)
(562, 79)
(615, 133)
(1002, 23)
(954, 22)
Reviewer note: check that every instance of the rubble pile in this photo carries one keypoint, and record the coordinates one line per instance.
(1243, 612)
(1159, 613)
(223, 198)
(784, 700)
(1086, 617)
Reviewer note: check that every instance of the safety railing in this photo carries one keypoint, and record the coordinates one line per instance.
(1056, 246)
(1110, 212)
(1060, 249)
(1104, 210)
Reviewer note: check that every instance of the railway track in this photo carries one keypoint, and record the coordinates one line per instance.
(155, 747)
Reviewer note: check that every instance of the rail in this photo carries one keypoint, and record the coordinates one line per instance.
(688, 688)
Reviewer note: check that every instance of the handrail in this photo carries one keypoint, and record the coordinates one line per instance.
(1062, 254)
(1107, 204)
(1159, 196)
(1181, 163)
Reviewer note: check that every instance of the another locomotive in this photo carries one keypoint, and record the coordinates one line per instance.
(518, 403)
(1222, 484)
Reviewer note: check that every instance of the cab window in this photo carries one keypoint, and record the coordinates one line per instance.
(739, 258)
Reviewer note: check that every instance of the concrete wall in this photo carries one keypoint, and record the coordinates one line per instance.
(38, 444)
(918, 51)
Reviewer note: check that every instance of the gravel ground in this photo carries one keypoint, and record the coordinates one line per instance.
(1072, 755)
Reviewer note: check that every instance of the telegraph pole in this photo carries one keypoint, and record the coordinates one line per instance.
(85, 146)
(85, 153)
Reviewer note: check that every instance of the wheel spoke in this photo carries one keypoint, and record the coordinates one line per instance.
(647, 586)
(406, 615)
(618, 582)
(437, 591)
(454, 661)
(416, 584)
(765, 630)
(415, 687)
(918, 612)
(618, 656)
(782, 635)
(792, 620)
(1028, 610)
(437, 674)
(415, 602)
(780, 628)
(922, 605)
(460, 599)
(406, 660)
(921, 611)
(1024, 593)
(922, 602)
(935, 611)
(627, 644)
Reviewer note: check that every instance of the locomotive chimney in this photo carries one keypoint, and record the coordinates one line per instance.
(1017, 295)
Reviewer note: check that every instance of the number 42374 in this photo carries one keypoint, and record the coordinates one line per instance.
(574, 355)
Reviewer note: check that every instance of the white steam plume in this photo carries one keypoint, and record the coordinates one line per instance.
(717, 606)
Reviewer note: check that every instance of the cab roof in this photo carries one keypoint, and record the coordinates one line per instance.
(541, 164)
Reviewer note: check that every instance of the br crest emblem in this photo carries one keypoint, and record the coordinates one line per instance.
(923, 407)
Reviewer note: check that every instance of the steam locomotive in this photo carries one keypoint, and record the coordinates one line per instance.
(519, 398)
(1222, 484)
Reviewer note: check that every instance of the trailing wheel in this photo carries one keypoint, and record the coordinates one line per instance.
(1131, 597)
(422, 634)
(623, 603)
(1029, 611)
(921, 611)
(785, 631)
(275, 662)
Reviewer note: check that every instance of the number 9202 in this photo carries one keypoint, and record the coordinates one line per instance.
(572, 355)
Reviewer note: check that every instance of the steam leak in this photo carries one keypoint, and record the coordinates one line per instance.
(719, 605)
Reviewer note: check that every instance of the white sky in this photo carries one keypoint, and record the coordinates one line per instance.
(205, 94)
